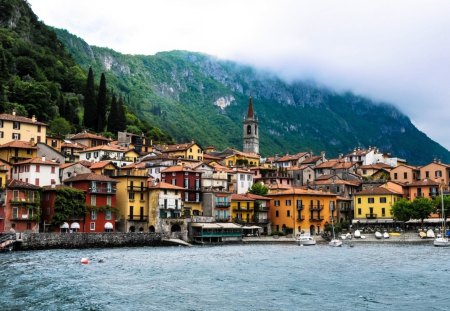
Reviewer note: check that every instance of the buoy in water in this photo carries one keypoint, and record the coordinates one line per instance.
(84, 261)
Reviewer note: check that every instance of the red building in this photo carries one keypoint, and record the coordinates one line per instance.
(20, 209)
(100, 201)
(191, 182)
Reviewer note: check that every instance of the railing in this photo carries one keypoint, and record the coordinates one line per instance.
(24, 217)
(316, 218)
(300, 218)
(171, 207)
(263, 209)
(217, 234)
(300, 207)
(371, 216)
(223, 204)
(136, 188)
(137, 217)
(7, 237)
(316, 207)
(102, 190)
(243, 209)
(24, 201)
(418, 195)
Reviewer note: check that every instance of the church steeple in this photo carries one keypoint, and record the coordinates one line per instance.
(251, 136)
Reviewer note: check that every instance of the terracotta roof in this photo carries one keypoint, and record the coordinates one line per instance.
(69, 144)
(337, 182)
(312, 160)
(408, 166)
(377, 191)
(178, 168)
(244, 154)
(256, 197)
(10, 117)
(300, 191)
(240, 197)
(140, 165)
(327, 164)
(88, 135)
(14, 183)
(210, 157)
(298, 168)
(324, 177)
(424, 182)
(85, 163)
(376, 166)
(65, 165)
(90, 176)
(101, 164)
(56, 187)
(37, 160)
(164, 185)
(18, 144)
(105, 147)
(343, 165)
(176, 147)
(250, 113)
(290, 157)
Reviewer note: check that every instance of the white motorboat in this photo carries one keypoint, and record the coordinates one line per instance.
(386, 235)
(378, 235)
(442, 241)
(430, 233)
(305, 239)
(335, 243)
(357, 234)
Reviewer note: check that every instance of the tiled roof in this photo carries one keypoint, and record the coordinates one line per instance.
(14, 183)
(325, 177)
(38, 160)
(256, 197)
(312, 160)
(424, 182)
(240, 197)
(106, 148)
(164, 185)
(140, 165)
(18, 144)
(85, 163)
(89, 176)
(85, 135)
(101, 164)
(327, 164)
(69, 144)
(376, 166)
(10, 117)
(65, 165)
(290, 157)
(173, 148)
(177, 168)
(377, 191)
(300, 191)
(210, 157)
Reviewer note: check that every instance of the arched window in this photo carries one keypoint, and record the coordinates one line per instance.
(249, 129)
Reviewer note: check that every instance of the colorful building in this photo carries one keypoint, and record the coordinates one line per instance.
(299, 210)
(192, 151)
(37, 171)
(375, 205)
(17, 151)
(14, 127)
(242, 208)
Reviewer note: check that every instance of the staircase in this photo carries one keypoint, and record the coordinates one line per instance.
(7, 241)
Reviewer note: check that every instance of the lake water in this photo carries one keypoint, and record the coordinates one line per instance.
(237, 277)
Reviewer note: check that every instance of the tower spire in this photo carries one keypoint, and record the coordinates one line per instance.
(250, 113)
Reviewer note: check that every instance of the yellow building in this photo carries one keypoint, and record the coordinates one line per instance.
(192, 151)
(13, 127)
(242, 208)
(295, 210)
(132, 200)
(131, 156)
(374, 204)
(107, 168)
(238, 158)
(4, 174)
(17, 151)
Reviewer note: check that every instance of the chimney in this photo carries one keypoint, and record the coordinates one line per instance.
(43, 159)
(33, 118)
(14, 112)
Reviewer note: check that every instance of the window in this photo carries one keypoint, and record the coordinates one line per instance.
(288, 202)
(1, 135)
(109, 200)
(92, 227)
(438, 174)
(276, 214)
(186, 196)
(395, 176)
(371, 200)
(405, 175)
(427, 174)
(88, 155)
(383, 200)
(242, 177)
(359, 200)
(359, 211)
(276, 203)
(39, 139)
(173, 182)
(249, 129)
(93, 215)
(383, 212)
(54, 143)
(288, 213)
(16, 136)
(186, 183)
(39, 129)
(131, 196)
(1, 123)
(15, 212)
(36, 181)
(197, 197)
(96, 154)
(53, 170)
(16, 125)
(52, 181)
(108, 215)
(142, 196)
(93, 200)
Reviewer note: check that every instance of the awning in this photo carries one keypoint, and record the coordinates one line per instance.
(373, 221)
(64, 226)
(109, 226)
(251, 227)
(75, 225)
(206, 225)
(427, 221)
(230, 226)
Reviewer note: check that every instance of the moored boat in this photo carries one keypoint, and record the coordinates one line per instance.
(357, 234)
(378, 235)
(305, 239)
(442, 241)
(386, 235)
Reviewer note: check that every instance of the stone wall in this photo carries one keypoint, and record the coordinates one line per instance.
(31, 241)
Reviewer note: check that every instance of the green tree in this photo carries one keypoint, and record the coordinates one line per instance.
(402, 210)
(438, 204)
(90, 105)
(69, 203)
(102, 103)
(422, 208)
(122, 119)
(259, 189)
(113, 118)
(60, 127)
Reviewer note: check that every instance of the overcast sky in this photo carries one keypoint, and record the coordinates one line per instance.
(394, 51)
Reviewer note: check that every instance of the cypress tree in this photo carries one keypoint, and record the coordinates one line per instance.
(113, 118)
(90, 105)
(101, 104)
(122, 119)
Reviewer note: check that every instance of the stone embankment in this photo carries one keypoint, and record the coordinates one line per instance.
(34, 241)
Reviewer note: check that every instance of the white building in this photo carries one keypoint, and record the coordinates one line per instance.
(37, 171)
(243, 180)
(105, 152)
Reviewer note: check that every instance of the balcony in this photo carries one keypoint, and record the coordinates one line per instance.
(138, 218)
(223, 204)
(316, 207)
(170, 207)
(300, 207)
(371, 216)
(300, 218)
(263, 209)
(102, 190)
(24, 217)
(17, 201)
(136, 188)
(316, 218)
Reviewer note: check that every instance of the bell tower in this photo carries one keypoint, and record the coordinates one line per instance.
(251, 135)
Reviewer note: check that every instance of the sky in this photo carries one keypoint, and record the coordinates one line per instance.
(391, 51)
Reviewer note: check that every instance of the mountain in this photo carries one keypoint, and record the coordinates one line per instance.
(196, 96)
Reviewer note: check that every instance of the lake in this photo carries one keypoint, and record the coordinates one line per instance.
(234, 277)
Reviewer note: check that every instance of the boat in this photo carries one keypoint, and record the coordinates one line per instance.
(442, 241)
(334, 242)
(357, 234)
(386, 235)
(430, 233)
(305, 239)
(378, 235)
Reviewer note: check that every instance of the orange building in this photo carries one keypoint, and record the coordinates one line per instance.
(295, 210)
(405, 174)
(436, 171)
